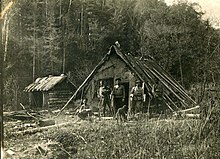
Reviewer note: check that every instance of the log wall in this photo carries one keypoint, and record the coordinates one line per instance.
(58, 98)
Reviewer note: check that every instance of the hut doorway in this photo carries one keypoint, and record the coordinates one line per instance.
(126, 85)
(109, 82)
(38, 99)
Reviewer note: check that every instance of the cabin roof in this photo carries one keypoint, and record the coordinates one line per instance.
(46, 83)
(148, 71)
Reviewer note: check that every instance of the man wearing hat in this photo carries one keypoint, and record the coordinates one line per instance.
(137, 99)
(104, 95)
(118, 95)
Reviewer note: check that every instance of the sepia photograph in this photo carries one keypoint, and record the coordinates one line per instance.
(110, 79)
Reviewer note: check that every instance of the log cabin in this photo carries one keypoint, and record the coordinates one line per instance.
(51, 91)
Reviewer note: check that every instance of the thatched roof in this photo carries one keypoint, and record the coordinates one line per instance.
(46, 83)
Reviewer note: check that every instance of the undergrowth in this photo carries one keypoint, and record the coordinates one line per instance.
(143, 139)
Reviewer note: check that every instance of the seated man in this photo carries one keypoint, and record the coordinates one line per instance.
(83, 112)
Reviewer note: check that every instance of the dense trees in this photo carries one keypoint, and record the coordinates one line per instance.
(43, 37)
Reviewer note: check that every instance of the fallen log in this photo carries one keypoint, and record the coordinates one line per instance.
(196, 116)
(184, 115)
(40, 129)
(24, 114)
(41, 122)
(46, 122)
(189, 109)
(18, 115)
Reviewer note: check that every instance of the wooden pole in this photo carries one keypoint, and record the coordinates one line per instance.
(1, 87)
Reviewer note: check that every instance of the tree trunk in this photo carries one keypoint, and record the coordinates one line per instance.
(5, 36)
(34, 54)
(2, 75)
(1, 86)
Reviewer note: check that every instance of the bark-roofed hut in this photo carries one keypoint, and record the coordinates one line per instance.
(50, 91)
(117, 64)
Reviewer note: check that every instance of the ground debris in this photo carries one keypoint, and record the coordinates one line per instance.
(46, 122)
(22, 115)
(40, 129)
(85, 113)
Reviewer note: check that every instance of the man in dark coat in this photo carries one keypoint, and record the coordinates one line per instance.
(118, 95)
(159, 97)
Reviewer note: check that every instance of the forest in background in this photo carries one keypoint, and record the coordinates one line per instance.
(43, 37)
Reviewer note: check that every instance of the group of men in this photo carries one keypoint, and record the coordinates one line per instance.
(115, 99)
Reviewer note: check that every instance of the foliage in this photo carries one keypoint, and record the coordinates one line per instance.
(210, 125)
(156, 138)
(44, 37)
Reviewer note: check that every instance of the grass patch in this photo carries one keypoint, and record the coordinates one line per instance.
(130, 140)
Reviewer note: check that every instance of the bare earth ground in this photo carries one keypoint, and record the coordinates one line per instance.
(95, 138)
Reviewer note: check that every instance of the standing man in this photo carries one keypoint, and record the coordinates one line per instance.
(118, 95)
(104, 95)
(137, 98)
(158, 93)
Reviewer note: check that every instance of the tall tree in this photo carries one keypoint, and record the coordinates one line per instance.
(2, 16)
(53, 37)
(1, 88)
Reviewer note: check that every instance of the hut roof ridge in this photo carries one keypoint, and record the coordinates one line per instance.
(45, 83)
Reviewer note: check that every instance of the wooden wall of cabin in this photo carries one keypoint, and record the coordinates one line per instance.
(60, 94)
(58, 98)
(112, 69)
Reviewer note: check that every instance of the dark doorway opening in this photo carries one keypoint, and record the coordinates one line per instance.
(37, 99)
(109, 82)
(126, 85)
